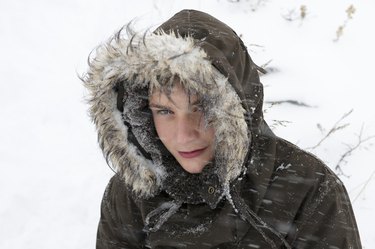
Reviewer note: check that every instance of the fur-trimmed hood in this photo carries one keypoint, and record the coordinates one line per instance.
(267, 192)
(211, 60)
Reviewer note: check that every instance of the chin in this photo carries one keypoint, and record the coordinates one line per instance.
(192, 169)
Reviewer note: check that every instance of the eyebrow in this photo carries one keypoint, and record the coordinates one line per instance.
(158, 106)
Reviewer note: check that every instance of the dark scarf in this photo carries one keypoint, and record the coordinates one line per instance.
(206, 188)
(184, 187)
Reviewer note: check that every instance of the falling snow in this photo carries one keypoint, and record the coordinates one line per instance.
(52, 173)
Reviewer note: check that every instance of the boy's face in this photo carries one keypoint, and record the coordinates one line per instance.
(180, 126)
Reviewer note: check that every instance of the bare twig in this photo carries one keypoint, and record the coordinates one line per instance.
(265, 110)
(350, 150)
(349, 15)
(292, 14)
(335, 128)
(288, 101)
(254, 48)
(266, 64)
(364, 186)
(320, 127)
(261, 69)
(254, 4)
(277, 123)
(267, 69)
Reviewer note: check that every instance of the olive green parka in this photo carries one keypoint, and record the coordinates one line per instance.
(260, 191)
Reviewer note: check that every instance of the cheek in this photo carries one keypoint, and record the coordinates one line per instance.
(164, 131)
(210, 135)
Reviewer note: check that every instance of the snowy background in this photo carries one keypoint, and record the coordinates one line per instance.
(52, 173)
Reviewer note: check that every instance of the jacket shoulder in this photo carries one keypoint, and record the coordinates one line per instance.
(120, 224)
(315, 198)
(298, 162)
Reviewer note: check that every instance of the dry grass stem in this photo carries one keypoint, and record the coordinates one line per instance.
(349, 15)
(288, 101)
(364, 186)
(335, 128)
(350, 150)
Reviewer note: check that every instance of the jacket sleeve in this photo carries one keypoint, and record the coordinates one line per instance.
(120, 224)
(326, 220)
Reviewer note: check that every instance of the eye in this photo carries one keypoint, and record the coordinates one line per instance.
(163, 112)
(197, 108)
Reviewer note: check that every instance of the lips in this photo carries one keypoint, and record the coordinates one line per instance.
(192, 154)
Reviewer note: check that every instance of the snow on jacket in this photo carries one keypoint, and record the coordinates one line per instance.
(260, 192)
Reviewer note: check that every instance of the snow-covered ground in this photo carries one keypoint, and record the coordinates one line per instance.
(52, 173)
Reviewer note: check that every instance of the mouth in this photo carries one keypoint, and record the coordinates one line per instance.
(192, 154)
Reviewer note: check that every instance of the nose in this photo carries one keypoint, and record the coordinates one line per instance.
(187, 129)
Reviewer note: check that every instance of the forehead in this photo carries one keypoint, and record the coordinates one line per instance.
(174, 94)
